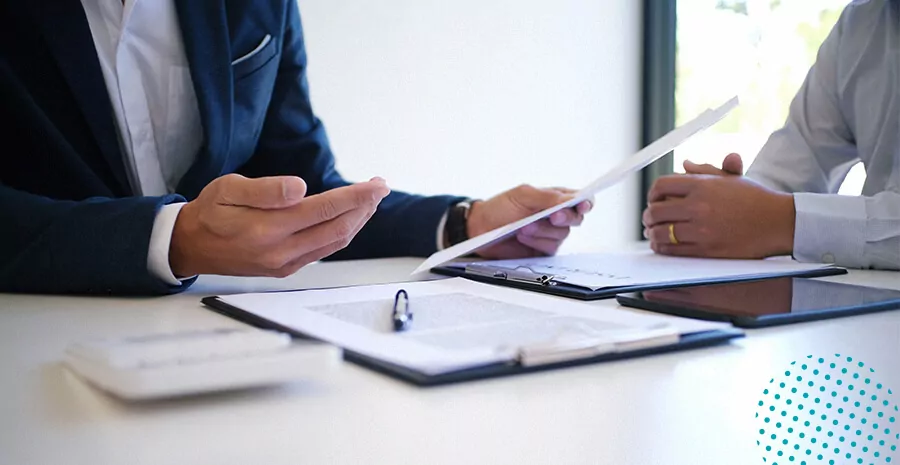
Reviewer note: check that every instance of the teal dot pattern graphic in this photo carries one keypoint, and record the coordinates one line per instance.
(828, 410)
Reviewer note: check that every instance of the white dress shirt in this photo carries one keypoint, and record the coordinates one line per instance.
(848, 110)
(142, 57)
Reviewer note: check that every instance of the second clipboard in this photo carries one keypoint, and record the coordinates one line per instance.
(525, 279)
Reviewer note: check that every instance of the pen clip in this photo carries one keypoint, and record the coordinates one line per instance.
(521, 273)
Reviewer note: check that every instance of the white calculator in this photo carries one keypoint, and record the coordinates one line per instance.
(173, 364)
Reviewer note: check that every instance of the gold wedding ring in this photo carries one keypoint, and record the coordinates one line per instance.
(672, 238)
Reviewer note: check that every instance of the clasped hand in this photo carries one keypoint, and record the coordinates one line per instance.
(718, 213)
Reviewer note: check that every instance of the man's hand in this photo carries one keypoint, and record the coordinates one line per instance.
(540, 238)
(718, 216)
(732, 165)
(267, 227)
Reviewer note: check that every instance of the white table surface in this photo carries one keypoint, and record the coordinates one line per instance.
(693, 407)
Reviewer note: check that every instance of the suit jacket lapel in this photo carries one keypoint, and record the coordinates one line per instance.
(68, 35)
(207, 45)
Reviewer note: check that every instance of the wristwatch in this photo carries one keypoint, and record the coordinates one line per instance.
(456, 229)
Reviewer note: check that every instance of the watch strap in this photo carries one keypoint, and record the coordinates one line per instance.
(457, 223)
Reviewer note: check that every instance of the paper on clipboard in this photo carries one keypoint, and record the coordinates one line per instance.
(461, 324)
(641, 159)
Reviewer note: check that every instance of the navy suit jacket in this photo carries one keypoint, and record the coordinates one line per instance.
(68, 219)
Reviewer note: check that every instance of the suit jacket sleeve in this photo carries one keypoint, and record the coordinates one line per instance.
(96, 246)
(293, 141)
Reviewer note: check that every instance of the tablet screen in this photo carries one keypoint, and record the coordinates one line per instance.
(771, 297)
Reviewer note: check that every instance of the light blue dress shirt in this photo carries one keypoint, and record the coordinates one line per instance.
(848, 110)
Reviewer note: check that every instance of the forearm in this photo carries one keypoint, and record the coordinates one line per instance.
(855, 232)
(97, 246)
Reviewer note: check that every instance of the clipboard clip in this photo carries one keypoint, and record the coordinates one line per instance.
(521, 273)
(580, 346)
(562, 350)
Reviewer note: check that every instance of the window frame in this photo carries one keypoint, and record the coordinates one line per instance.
(658, 87)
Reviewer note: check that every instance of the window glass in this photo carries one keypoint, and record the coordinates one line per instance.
(759, 49)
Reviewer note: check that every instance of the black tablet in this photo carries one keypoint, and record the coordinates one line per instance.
(765, 302)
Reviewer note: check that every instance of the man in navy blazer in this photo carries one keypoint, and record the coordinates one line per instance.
(262, 193)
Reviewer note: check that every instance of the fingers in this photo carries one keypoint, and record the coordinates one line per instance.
(542, 245)
(585, 207)
(564, 190)
(733, 164)
(672, 186)
(264, 193)
(305, 259)
(316, 255)
(565, 217)
(679, 250)
(544, 229)
(316, 242)
(327, 206)
(571, 216)
(236, 226)
(685, 233)
(509, 249)
(533, 199)
(542, 237)
(667, 211)
(693, 168)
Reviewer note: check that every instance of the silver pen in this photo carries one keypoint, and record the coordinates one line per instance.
(402, 315)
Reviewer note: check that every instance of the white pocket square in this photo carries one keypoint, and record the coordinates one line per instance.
(256, 50)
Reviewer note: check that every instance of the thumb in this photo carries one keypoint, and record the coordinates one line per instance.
(535, 199)
(733, 164)
(267, 193)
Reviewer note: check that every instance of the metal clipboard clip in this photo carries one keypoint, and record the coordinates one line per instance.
(522, 274)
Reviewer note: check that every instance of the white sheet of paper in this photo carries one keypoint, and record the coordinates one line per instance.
(641, 159)
(457, 323)
(596, 271)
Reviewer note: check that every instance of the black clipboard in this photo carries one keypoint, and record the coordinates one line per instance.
(537, 282)
(687, 341)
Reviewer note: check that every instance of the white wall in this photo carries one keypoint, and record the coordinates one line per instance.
(472, 97)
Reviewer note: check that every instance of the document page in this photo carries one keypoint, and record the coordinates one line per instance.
(464, 321)
(456, 323)
(600, 270)
(632, 164)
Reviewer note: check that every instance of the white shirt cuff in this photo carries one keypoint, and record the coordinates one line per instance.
(160, 240)
(830, 228)
(440, 231)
